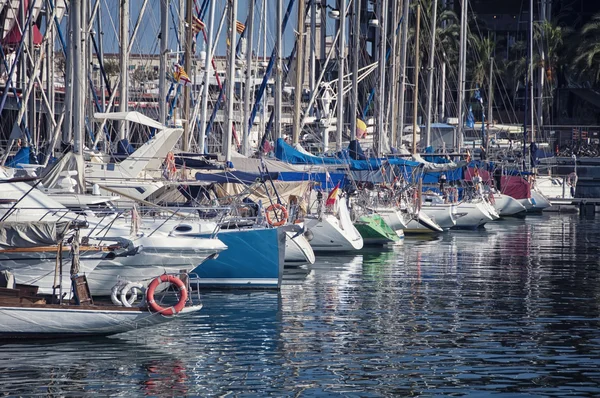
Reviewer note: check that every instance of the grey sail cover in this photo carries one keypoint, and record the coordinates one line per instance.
(31, 234)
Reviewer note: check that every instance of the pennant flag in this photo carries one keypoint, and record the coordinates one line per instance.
(332, 197)
(470, 118)
(179, 75)
(240, 27)
(361, 129)
(197, 25)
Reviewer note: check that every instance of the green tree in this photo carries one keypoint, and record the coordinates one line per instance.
(587, 60)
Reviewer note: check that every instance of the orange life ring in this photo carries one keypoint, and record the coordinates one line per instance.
(284, 215)
(173, 280)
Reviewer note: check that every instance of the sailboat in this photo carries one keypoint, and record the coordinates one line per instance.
(24, 313)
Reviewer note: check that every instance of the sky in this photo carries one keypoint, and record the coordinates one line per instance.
(147, 37)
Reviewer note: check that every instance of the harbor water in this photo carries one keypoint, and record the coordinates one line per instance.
(510, 309)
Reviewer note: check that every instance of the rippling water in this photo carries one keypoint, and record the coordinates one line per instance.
(507, 310)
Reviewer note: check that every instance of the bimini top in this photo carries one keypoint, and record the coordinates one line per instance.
(132, 116)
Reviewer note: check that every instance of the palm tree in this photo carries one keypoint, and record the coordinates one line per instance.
(482, 51)
(587, 60)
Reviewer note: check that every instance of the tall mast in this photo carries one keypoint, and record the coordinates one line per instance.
(162, 72)
(355, 58)
(392, 105)
(187, 66)
(227, 135)
(461, 73)
(416, 90)
(78, 81)
(402, 91)
(207, 70)
(381, 147)
(490, 100)
(430, 71)
(248, 86)
(530, 80)
(124, 61)
(299, 70)
(278, 71)
(311, 46)
(340, 88)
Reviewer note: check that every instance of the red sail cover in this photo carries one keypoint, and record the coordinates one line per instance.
(485, 175)
(516, 186)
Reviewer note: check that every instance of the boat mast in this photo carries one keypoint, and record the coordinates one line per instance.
(207, 70)
(392, 105)
(248, 86)
(78, 81)
(227, 135)
(162, 73)
(187, 67)
(340, 82)
(403, 53)
(381, 139)
(355, 58)
(299, 70)
(490, 100)
(124, 61)
(530, 66)
(430, 72)
(416, 89)
(278, 71)
(461, 73)
(311, 45)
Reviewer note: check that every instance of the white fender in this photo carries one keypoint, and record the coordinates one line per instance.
(133, 288)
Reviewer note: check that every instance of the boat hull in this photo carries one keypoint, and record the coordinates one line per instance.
(298, 250)
(255, 259)
(441, 214)
(155, 255)
(375, 231)
(37, 267)
(507, 205)
(472, 215)
(54, 321)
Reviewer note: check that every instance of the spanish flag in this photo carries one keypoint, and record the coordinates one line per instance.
(332, 197)
(240, 27)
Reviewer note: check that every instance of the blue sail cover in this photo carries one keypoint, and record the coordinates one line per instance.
(324, 181)
(286, 153)
(412, 171)
(235, 177)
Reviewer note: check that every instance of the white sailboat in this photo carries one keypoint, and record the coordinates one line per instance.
(333, 231)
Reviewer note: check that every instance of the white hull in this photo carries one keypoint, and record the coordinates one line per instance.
(423, 225)
(62, 322)
(553, 187)
(330, 234)
(394, 218)
(38, 268)
(527, 203)
(441, 214)
(156, 255)
(472, 215)
(539, 200)
(298, 249)
(507, 205)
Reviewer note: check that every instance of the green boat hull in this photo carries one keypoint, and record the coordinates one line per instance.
(375, 231)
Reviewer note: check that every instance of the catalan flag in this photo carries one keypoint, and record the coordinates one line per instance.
(240, 27)
(197, 25)
(179, 75)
